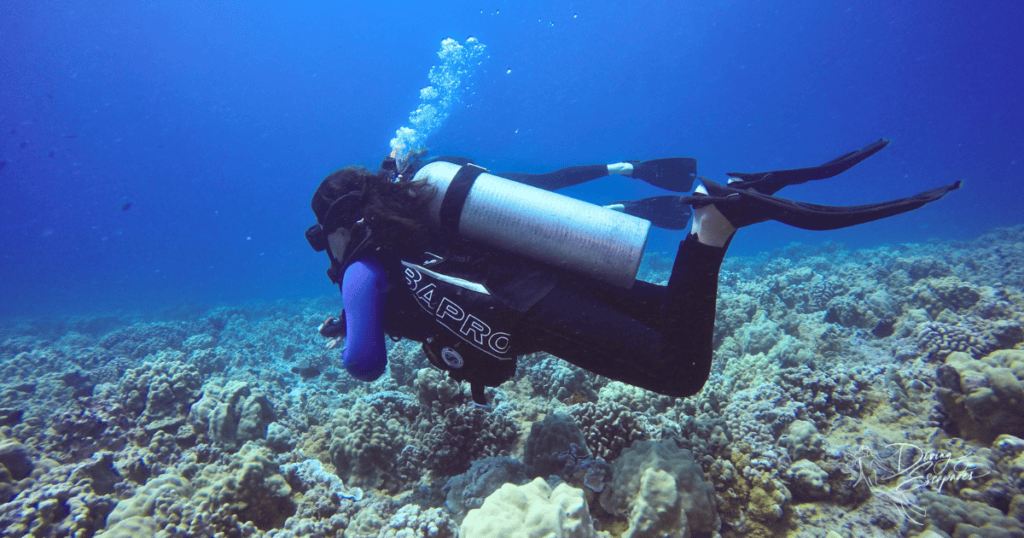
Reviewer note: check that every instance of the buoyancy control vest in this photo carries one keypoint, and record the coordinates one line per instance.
(464, 306)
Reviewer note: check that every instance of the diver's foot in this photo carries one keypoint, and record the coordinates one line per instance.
(739, 208)
(616, 206)
(620, 169)
(719, 210)
(710, 226)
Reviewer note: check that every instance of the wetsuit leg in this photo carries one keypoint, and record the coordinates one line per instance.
(573, 324)
(660, 339)
(688, 315)
(674, 174)
(565, 177)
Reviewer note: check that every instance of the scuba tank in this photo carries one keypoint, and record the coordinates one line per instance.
(541, 225)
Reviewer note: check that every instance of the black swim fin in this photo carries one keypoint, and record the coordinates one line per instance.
(771, 182)
(673, 174)
(743, 207)
(670, 212)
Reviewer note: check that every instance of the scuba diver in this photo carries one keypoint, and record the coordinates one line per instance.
(482, 268)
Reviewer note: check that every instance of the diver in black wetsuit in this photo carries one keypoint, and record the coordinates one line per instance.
(475, 310)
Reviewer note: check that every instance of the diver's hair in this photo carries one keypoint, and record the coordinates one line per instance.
(396, 213)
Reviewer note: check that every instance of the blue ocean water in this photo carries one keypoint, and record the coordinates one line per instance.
(162, 154)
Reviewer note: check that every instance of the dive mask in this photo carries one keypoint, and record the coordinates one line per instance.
(343, 213)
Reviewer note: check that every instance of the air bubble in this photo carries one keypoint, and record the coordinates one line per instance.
(448, 82)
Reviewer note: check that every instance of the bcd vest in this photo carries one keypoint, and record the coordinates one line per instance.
(473, 301)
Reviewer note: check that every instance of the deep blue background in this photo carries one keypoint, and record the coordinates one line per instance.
(216, 120)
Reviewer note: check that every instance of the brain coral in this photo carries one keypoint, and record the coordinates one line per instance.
(530, 511)
(662, 492)
(984, 398)
(938, 340)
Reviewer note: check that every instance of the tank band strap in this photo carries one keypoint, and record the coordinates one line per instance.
(455, 197)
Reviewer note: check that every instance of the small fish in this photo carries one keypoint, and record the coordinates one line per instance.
(52, 154)
(307, 372)
(24, 144)
(3, 164)
(126, 206)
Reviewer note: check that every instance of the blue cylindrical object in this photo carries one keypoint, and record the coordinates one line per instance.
(544, 226)
(363, 290)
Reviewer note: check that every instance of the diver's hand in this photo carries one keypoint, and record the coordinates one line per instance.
(333, 328)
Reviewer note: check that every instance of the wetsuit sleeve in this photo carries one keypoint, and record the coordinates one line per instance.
(362, 291)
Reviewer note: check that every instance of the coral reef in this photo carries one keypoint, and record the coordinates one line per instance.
(463, 434)
(853, 393)
(365, 446)
(938, 340)
(531, 510)
(608, 428)
(661, 492)
(468, 490)
(549, 439)
(161, 392)
(984, 398)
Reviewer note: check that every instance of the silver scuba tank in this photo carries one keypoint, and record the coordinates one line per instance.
(542, 225)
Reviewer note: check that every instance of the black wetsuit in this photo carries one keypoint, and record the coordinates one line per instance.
(654, 337)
